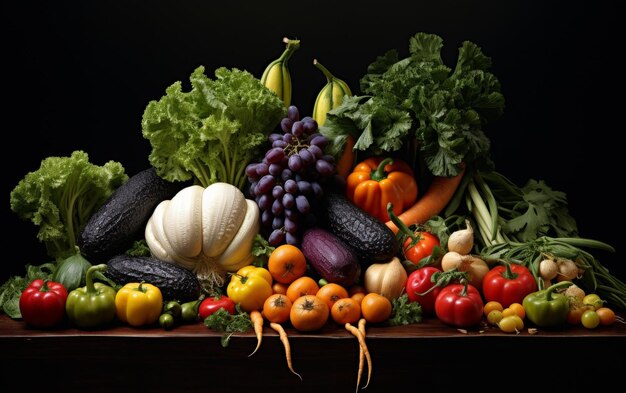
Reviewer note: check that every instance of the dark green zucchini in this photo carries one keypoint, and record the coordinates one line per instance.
(370, 238)
(175, 282)
(122, 218)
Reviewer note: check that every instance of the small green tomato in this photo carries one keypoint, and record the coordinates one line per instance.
(593, 300)
(590, 319)
(494, 317)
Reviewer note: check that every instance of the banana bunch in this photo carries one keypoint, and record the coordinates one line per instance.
(331, 95)
(276, 76)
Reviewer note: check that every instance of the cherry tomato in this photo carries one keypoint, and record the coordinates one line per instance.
(593, 300)
(590, 319)
(422, 248)
(606, 315)
(492, 305)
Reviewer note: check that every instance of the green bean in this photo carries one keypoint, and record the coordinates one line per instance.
(583, 242)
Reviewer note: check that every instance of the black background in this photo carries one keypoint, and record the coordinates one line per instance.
(79, 75)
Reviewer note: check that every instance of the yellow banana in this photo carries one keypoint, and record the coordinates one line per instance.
(276, 76)
(331, 95)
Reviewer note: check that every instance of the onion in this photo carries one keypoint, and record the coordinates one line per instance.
(462, 241)
(474, 266)
(548, 269)
(568, 270)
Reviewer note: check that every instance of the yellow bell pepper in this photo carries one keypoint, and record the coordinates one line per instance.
(138, 304)
(376, 182)
(250, 287)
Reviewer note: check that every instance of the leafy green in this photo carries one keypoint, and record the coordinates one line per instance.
(212, 132)
(12, 289)
(262, 250)
(405, 312)
(139, 249)
(223, 321)
(62, 195)
(420, 108)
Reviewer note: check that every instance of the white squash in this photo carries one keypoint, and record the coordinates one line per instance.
(209, 231)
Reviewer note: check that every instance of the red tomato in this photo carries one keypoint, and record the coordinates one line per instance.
(508, 284)
(423, 247)
(42, 303)
(210, 305)
(419, 281)
(459, 305)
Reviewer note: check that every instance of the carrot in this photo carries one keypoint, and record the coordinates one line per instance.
(257, 321)
(285, 340)
(346, 159)
(430, 204)
(361, 354)
(357, 333)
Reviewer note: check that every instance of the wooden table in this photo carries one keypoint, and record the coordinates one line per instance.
(423, 357)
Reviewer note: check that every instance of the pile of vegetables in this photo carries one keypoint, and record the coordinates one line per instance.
(364, 246)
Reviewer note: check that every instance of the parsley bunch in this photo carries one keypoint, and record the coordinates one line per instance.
(420, 108)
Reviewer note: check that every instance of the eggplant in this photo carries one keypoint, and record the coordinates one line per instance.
(329, 256)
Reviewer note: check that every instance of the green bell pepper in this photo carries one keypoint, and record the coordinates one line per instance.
(92, 305)
(545, 308)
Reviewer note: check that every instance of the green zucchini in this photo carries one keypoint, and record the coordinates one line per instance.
(370, 238)
(175, 282)
(122, 218)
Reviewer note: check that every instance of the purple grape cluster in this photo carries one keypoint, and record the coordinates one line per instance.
(287, 183)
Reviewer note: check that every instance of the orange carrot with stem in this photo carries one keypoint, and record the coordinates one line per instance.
(285, 340)
(434, 200)
(357, 333)
(345, 163)
(257, 322)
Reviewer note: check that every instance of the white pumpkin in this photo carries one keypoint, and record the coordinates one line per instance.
(209, 231)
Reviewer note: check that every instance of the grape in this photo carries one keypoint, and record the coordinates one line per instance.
(251, 171)
(266, 218)
(291, 186)
(276, 238)
(278, 191)
(262, 169)
(277, 223)
(317, 152)
(307, 157)
(317, 189)
(290, 225)
(293, 113)
(288, 138)
(277, 207)
(319, 140)
(291, 214)
(275, 137)
(288, 201)
(253, 188)
(264, 185)
(286, 175)
(302, 204)
(285, 124)
(329, 159)
(310, 126)
(280, 143)
(295, 163)
(291, 239)
(323, 167)
(265, 201)
(274, 155)
(304, 187)
(297, 129)
(275, 169)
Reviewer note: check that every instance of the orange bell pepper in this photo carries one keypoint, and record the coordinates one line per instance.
(375, 182)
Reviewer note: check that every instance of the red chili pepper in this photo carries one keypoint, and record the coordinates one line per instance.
(508, 284)
(42, 303)
(459, 305)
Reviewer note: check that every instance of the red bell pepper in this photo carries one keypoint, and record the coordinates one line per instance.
(210, 305)
(508, 284)
(420, 288)
(42, 303)
(459, 305)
